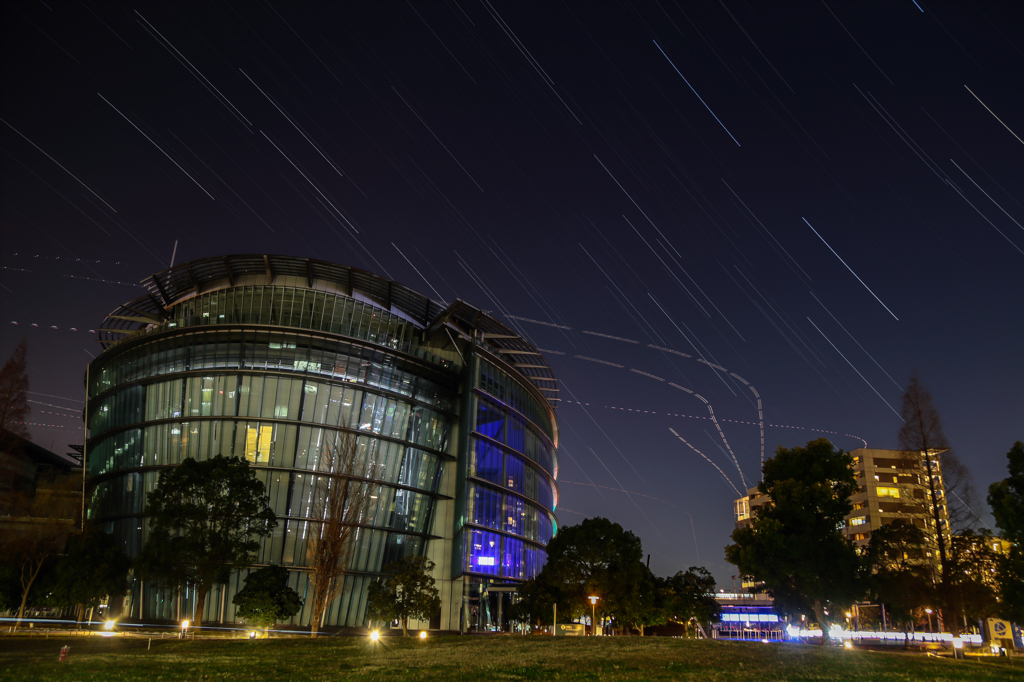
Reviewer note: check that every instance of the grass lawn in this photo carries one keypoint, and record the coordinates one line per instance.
(473, 659)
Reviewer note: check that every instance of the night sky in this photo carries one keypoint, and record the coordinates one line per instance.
(818, 198)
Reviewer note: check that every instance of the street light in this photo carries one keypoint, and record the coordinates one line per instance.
(929, 612)
(593, 614)
(423, 634)
(109, 625)
(374, 636)
(184, 629)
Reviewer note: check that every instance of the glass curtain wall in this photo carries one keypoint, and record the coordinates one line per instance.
(276, 399)
(510, 493)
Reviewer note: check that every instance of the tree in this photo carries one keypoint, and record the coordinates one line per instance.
(266, 598)
(901, 577)
(406, 591)
(921, 437)
(596, 557)
(691, 596)
(973, 570)
(92, 567)
(1006, 497)
(14, 409)
(795, 545)
(538, 598)
(204, 520)
(340, 501)
(639, 600)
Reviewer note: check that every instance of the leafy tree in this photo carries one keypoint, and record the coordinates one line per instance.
(406, 591)
(973, 568)
(691, 596)
(1006, 497)
(639, 600)
(794, 544)
(902, 575)
(595, 557)
(266, 598)
(204, 521)
(538, 598)
(91, 568)
(14, 409)
(921, 437)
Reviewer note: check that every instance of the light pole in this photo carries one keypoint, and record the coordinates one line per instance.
(593, 614)
(929, 612)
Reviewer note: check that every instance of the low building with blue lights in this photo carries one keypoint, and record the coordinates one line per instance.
(270, 359)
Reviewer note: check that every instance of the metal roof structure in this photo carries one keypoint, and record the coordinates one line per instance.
(184, 281)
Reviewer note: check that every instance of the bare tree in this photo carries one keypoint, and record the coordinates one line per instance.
(922, 440)
(340, 502)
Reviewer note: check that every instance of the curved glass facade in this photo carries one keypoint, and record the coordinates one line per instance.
(462, 444)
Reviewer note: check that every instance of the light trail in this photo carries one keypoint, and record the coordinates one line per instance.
(630, 197)
(546, 324)
(296, 126)
(650, 497)
(731, 484)
(858, 44)
(312, 184)
(756, 46)
(439, 297)
(985, 193)
(984, 217)
(157, 146)
(695, 92)
(438, 139)
(669, 350)
(204, 81)
(855, 341)
(994, 114)
(744, 204)
(59, 165)
(60, 397)
(603, 362)
(849, 268)
(857, 371)
(616, 338)
(529, 57)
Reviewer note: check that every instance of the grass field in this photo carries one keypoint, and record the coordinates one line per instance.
(474, 659)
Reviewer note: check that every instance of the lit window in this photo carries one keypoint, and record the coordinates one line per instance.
(857, 521)
(888, 492)
(257, 443)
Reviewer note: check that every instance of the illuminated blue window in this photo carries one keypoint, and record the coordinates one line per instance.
(487, 461)
(484, 553)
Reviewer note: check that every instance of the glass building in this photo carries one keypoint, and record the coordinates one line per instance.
(272, 359)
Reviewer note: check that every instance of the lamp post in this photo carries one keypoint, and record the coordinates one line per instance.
(929, 612)
(593, 614)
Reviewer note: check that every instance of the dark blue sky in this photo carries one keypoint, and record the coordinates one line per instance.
(650, 172)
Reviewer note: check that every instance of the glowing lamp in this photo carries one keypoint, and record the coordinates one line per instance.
(184, 625)
(374, 636)
(593, 600)
(252, 634)
(848, 644)
(109, 625)
(423, 635)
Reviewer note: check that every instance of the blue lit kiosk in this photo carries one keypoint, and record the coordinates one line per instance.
(269, 358)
